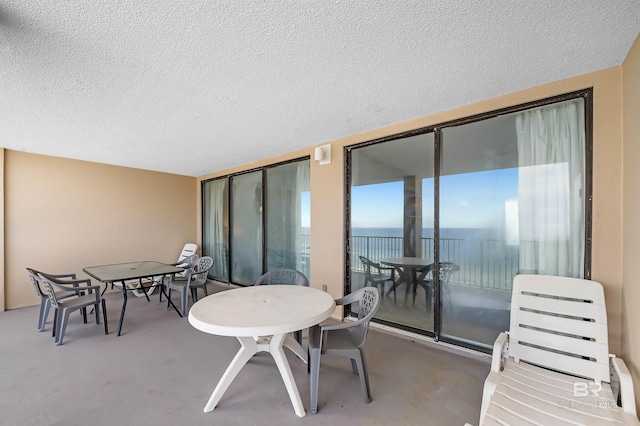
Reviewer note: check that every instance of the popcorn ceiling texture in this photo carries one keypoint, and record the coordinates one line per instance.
(193, 87)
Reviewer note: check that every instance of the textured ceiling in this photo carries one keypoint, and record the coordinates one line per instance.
(193, 87)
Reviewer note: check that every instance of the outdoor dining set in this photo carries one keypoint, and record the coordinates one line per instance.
(269, 325)
(552, 364)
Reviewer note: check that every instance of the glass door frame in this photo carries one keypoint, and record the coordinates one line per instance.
(586, 94)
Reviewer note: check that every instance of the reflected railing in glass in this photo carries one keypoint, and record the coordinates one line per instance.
(485, 263)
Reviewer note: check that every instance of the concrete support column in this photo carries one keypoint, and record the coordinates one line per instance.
(412, 229)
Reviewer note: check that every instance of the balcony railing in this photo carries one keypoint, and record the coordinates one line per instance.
(483, 263)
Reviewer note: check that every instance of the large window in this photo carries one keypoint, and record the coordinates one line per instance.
(257, 221)
(457, 210)
(287, 219)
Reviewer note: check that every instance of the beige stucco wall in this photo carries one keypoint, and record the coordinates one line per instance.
(631, 213)
(327, 185)
(62, 215)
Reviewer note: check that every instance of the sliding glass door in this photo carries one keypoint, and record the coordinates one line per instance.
(391, 188)
(215, 225)
(257, 221)
(288, 205)
(518, 208)
(246, 228)
(476, 208)
(460, 209)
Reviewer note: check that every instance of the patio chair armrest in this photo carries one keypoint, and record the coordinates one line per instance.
(66, 286)
(341, 325)
(74, 282)
(499, 346)
(626, 385)
(70, 276)
(324, 335)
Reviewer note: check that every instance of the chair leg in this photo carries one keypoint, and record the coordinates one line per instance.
(315, 375)
(96, 309)
(169, 298)
(63, 319)
(354, 367)
(364, 377)
(45, 304)
(393, 286)
(55, 323)
(185, 300)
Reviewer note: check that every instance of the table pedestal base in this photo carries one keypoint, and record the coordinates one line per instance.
(409, 276)
(273, 345)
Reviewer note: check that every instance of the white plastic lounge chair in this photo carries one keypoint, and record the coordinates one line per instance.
(553, 366)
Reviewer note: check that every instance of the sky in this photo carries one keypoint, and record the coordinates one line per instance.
(469, 200)
(305, 201)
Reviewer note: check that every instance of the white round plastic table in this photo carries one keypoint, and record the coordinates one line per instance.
(261, 318)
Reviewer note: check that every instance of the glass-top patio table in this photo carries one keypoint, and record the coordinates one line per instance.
(121, 272)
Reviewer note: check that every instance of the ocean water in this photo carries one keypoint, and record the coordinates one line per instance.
(482, 255)
(458, 233)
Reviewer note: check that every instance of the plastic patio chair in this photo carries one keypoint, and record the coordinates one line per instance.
(283, 276)
(287, 277)
(344, 339)
(375, 275)
(45, 303)
(86, 295)
(182, 284)
(444, 270)
(199, 277)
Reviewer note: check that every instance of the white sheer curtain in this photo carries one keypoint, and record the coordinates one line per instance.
(213, 222)
(285, 242)
(551, 160)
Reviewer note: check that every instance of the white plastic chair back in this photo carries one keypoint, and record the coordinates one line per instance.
(560, 323)
(189, 249)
